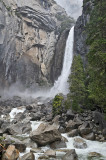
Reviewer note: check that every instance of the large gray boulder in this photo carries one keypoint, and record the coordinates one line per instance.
(45, 134)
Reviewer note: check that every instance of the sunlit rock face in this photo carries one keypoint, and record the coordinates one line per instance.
(29, 33)
(72, 7)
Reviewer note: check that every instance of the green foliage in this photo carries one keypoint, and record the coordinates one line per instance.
(58, 104)
(77, 84)
(96, 30)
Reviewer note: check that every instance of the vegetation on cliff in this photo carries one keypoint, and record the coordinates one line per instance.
(77, 84)
(97, 54)
(89, 88)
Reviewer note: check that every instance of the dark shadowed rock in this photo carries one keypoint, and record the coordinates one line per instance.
(70, 115)
(99, 119)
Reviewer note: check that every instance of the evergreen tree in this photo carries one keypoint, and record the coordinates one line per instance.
(97, 55)
(77, 84)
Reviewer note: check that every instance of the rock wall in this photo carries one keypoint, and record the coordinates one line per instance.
(29, 34)
(80, 34)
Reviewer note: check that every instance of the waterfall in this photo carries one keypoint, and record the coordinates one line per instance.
(61, 85)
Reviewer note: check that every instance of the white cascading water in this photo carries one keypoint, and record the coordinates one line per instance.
(61, 85)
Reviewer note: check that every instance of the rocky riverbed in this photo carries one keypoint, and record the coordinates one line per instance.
(30, 132)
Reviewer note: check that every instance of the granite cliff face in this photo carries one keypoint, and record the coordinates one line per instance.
(80, 34)
(29, 34)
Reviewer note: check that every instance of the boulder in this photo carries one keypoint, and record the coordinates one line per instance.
(70, 115)
(99, 119)
(84, 131)
(11, 153)
(94, 154)
(45, 134)
(36, 150)
(36, 116)
(28, 156)
(29, 143)
(50, 153)
(58, 144)
(71, 125)
(104, 133)
(43, 157)
(79, 143)
(16, 142)
(71, 155)
(73, 133)
(18, 128)
(90, 136)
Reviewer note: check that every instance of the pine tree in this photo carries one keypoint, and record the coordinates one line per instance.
(77, 84)
(97, 55)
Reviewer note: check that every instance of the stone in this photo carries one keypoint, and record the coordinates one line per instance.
(58, 144)
(94, 154)
(73, 133)
(50, 153)
(99, 119)
(84, 131)
(45, 134)
(44, 157)
(63, 150)
(36, 150)
(11, 153)
(70, 115)
(71, 155)
(71, 125)
(29, 143)
(16, 142)
(79, 143)
(90, 136)
(18, 128)
(28, 156)
(61, 129)
(104, 133)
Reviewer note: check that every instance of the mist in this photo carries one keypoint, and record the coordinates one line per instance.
(72, 7)
(17, 89)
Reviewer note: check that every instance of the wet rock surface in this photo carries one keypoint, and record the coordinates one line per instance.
(16, 130)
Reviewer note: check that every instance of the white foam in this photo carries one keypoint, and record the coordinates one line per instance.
(92, 146)
(15, 111)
